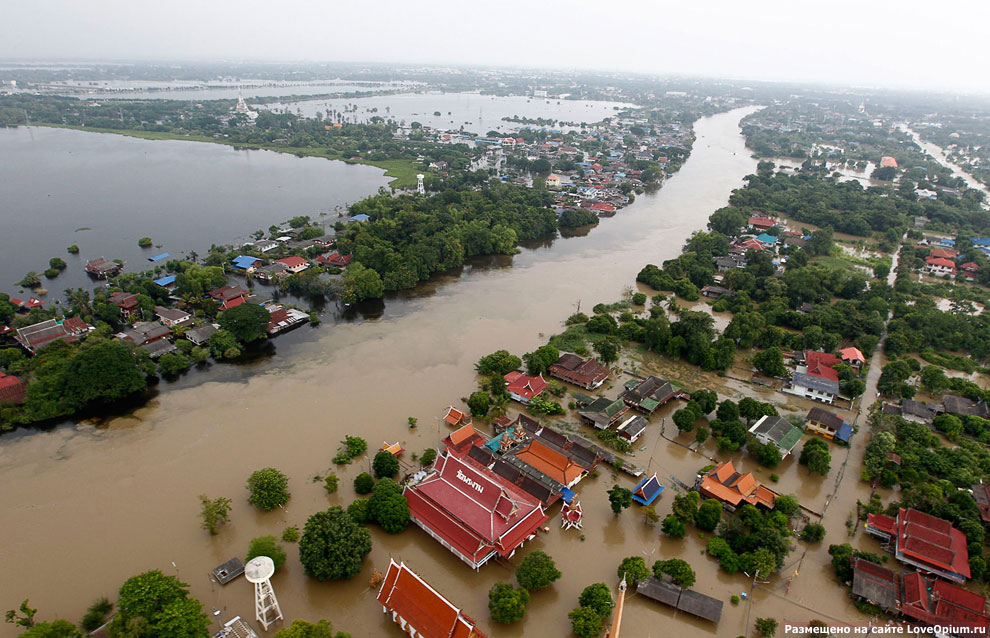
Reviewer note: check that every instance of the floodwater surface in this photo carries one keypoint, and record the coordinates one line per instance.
(83, 509)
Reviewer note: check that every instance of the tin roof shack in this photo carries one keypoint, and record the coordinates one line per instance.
(685, 600)
(875, 584)
(588, 374)
(925, 542)
(472, 511)
(733, 489)
(778, 431)
(101, 268)
(419, 609)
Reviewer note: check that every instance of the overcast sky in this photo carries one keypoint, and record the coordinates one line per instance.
(904, 43)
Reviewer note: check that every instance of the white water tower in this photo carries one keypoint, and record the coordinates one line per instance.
(419, 186)
(259, 571)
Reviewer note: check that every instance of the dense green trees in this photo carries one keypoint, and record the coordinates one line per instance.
(152, 605)
(708, 516)
(540, 359)
(634, 569)
(506, 603)
(247, 322)
(385, 464)
(537, 571)
(388, 507)
(500, 362)
(52, 629)
(619, 498)
(364, 483)
(680, 571)
(815, 454)
(269, 489)
(333, 545)
(409, 238)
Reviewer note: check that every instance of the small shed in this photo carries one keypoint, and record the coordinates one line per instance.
(227, 572)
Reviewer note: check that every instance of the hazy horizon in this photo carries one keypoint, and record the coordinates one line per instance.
(900, 45)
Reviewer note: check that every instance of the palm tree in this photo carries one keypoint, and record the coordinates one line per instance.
(499, 407)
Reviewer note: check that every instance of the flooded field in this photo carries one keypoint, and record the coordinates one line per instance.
(84, 508)
(471, 112)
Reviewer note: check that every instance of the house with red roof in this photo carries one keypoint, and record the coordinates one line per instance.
(293, 264)
(940, 266)
(76, 327)
(522, 387)
(419, 609)
(128, 303)
(887, 161)
(752, 244)
(229, 296)
(587, 373)
(463, 439)
(334, 259)
(924, 542)
(472, 511)
(762, 222)
(12, 389)
(819, 364)
(970, 268)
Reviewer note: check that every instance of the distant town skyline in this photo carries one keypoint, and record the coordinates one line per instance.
(880, 44)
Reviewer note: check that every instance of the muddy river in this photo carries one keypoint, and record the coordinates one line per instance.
(83, 509)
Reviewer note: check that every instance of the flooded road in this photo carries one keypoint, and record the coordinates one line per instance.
(939, 155)
(83, 509)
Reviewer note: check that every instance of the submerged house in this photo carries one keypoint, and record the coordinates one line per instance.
(649, 394)
(778, 431)
(924, 542)
(586, 373)
(419, 609)
(473, 511)
(735, 489)
(603, 413)
(828, 424)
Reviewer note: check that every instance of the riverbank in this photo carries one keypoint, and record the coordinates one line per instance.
(361, 378)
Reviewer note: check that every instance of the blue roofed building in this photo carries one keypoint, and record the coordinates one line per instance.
(246, 263)
(166, 282)
(360, 218)
(767, 239)
(647, 490)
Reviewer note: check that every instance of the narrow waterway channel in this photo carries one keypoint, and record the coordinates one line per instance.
(83, 509)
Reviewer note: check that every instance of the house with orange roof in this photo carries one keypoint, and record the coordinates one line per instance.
(463, 439)
(888, 161)
(419, 609)
(551, 463)
(852, 356)
(734, 489)
(456, 417)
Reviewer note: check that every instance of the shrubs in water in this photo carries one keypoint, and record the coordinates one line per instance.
(364, 483)
(266, 546)
(269, 489)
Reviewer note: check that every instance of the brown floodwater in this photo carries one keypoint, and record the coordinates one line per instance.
(84, 508)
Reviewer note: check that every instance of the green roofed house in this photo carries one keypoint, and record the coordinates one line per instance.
(649, 394)
(777, 430)
(603, 413)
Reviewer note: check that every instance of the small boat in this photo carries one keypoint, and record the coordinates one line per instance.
(392, 448)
